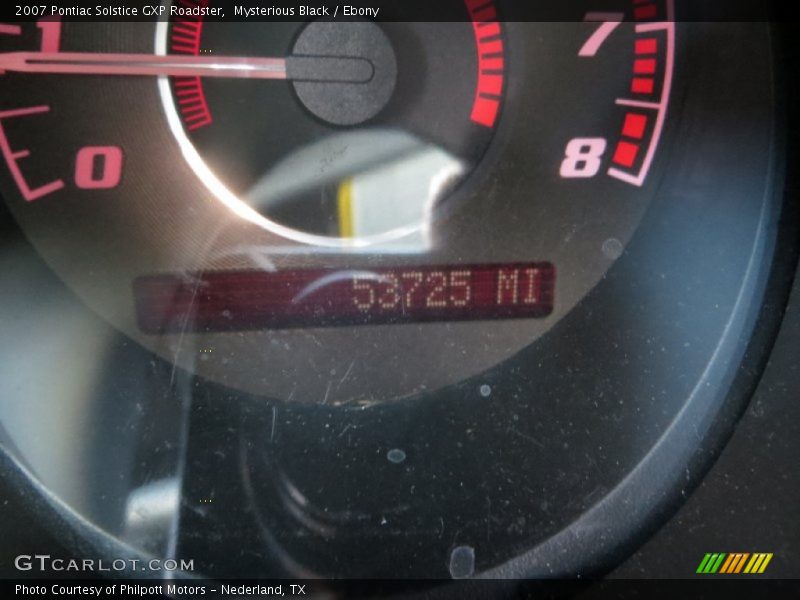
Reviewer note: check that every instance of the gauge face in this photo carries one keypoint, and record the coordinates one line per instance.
(399, 183)
(438, 287)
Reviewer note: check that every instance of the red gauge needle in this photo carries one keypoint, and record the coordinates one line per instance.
(296, 68)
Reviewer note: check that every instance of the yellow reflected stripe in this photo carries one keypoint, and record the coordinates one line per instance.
(344, 201)
(752, 566)
(764, 564)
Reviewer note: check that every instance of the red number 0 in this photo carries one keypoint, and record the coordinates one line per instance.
(98, 167)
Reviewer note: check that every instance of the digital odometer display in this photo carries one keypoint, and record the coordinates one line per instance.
(324, 297)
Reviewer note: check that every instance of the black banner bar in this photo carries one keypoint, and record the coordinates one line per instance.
(391, 10)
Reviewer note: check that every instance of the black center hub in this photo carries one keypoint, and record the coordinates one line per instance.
(342, 103)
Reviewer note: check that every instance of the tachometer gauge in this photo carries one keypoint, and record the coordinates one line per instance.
(417, 298)
(360, 169)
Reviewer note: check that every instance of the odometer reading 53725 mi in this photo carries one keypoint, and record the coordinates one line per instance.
(323, 297)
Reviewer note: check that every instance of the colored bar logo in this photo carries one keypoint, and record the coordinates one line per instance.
(734, 563)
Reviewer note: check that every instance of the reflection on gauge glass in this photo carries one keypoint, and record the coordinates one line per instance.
(445, 288)
(283, 224)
